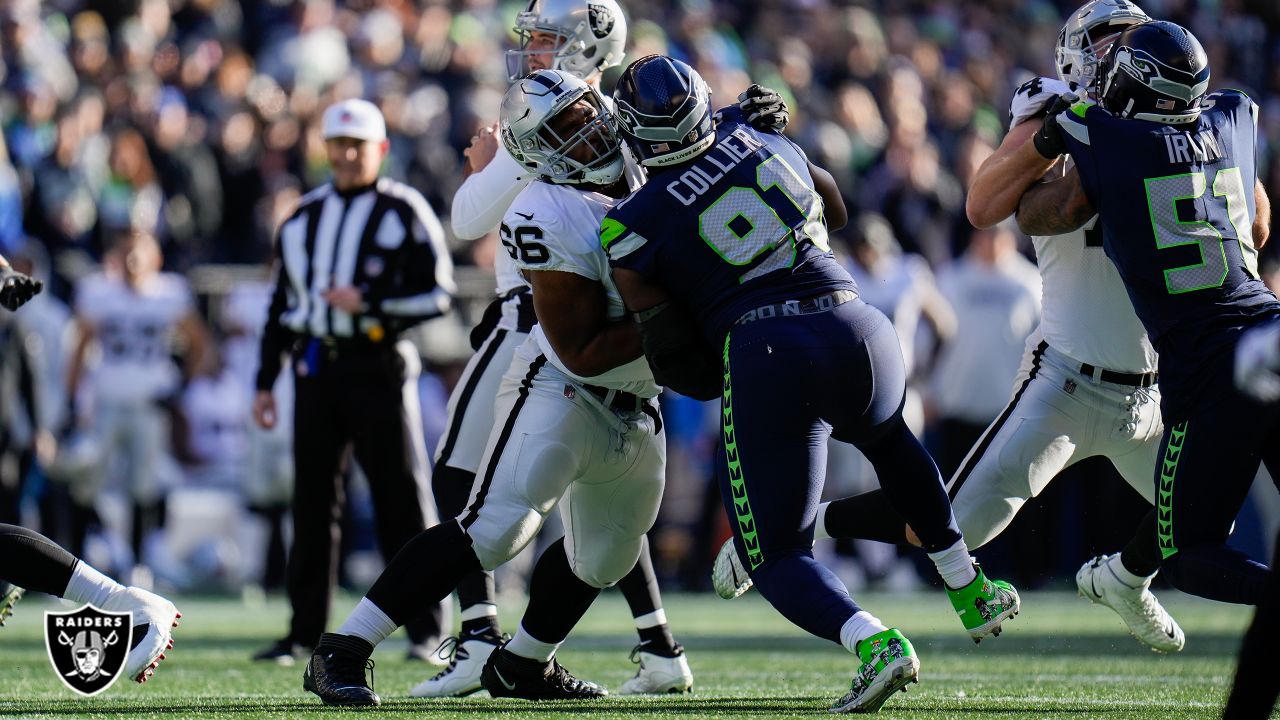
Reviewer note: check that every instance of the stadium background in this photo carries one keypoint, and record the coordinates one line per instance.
(199, 120)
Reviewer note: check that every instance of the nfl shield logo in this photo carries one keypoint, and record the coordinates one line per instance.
(569, 392)
(88, 647)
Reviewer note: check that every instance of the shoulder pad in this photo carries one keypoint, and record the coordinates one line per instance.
(1033, 96)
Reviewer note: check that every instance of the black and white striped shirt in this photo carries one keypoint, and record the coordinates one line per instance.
(384, 239)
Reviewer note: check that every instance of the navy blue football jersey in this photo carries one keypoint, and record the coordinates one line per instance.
(738, 228)
(1177, 206)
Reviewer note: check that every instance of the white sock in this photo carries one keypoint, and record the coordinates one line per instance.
(955, 565)
(479, 611)
(368, 621)
(531, 648)
(87, 585)
(653, 619)
(820, 525)
(1122, 573)
(859, 627)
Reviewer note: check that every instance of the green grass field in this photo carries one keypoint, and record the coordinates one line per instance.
(1061, 658)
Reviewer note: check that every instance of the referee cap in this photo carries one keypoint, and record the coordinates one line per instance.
(359, 119)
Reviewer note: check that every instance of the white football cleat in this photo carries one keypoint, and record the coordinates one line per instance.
(728, 576)
(658, 674)
(1148, 621)
(462, 676)
(153, 621)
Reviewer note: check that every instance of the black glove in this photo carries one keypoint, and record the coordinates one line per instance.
(16, 289)
(764, 109)
(1048, 139)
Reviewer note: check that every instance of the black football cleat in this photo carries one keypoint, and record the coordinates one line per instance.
(509, 675)
(9, 596)
(335, 671)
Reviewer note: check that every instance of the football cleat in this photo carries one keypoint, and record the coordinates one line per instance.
(153, 621)
(728, 576)
(1148, 621)
(9, 596)
(335, 671)
(889, 663)
(658, 674)
(983, 605)
(461, 678)
(509, 675)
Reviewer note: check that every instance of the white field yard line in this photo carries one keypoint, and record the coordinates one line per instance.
(1222, 680)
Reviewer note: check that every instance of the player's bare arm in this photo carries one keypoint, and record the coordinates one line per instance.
(672, 341)
(572, 311)
(833, 209)
(1055, 207)
(1003, 177)
(1262, 215)
(483, 147)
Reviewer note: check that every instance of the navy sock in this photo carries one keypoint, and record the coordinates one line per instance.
(1142, 555)
(1217, 572)
(806, 593)
(913, 486)
(868, 516)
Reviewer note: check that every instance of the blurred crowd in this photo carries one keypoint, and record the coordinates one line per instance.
(196, 122)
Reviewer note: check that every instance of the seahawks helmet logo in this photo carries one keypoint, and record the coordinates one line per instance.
(1160, 77)
(600, 20)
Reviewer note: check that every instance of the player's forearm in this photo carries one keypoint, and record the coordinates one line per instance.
(613, 345)
(1262, 216)
(1001, 180)
(1054, 208)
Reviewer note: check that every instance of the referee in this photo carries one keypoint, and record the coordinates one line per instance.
(360, 260)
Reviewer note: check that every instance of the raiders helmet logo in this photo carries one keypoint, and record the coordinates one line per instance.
(600, 19)
(88, 647)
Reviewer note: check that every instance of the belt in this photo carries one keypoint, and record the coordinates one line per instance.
(1111, 376)
(620, 401)
(808, 306)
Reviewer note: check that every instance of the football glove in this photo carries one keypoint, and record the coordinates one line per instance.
(1048, 139)
(1258, 361)
(764, 109)
(16, 289)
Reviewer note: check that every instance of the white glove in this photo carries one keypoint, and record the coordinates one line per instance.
(1257, 363)
(1032, 97)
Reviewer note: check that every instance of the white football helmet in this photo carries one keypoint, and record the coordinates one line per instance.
(591, 35)
(525, 124)
(1080, 43)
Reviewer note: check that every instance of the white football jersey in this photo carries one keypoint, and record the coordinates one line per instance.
(557, 227)
(1086, 311)
(135, 330)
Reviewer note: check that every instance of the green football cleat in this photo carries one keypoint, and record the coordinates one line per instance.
(984, 604)
(889, 663)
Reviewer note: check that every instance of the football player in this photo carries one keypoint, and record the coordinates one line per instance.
(583, 39)
(723, 259)
(577, 423)
(137, 315)
(1086, 385)
(1171, 172)
(32, 561)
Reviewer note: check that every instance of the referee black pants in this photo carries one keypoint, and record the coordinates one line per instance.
(352, 400)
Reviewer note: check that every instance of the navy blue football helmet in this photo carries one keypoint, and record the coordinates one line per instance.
(663, 109)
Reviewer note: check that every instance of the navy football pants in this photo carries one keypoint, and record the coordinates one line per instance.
(1207, 463)
(789, 383)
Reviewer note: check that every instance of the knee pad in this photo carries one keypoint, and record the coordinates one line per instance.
(602, 566)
